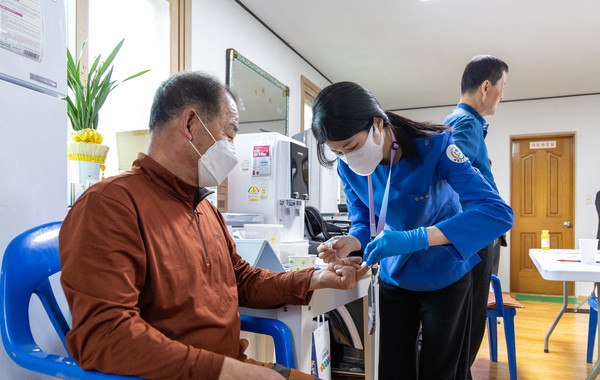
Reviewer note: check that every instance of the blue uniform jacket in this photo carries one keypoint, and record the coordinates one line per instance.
(469, 131)
(430, 193)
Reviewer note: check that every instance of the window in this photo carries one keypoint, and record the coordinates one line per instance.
(309, 93)
(156, 37)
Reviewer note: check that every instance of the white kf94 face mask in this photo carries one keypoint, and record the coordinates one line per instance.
(216, 163)
(364, 160)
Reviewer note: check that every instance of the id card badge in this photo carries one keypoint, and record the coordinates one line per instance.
(371, 299)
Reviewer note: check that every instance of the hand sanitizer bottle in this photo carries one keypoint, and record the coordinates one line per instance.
(545, 240)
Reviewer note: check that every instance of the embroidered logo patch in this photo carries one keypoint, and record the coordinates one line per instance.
(454, 154)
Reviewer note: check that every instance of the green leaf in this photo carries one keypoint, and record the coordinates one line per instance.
(110, 58)
(84, 100)
(135, 75)
(92, 70)
(72, 114)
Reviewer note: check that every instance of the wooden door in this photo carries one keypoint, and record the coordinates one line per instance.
(542, 199)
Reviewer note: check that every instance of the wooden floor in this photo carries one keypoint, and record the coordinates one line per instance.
(568, 343)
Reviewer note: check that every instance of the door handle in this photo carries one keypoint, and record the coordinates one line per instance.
(567, 224)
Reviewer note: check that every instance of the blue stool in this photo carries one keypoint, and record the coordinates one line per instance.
(593, 302)
(508, 314)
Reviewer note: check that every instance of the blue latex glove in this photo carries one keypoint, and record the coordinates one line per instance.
(395, 243)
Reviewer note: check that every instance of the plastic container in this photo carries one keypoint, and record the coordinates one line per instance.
(292, 248)
(270, 232)
(588, 249)
(302, 262)
(240, 220)
(545, 240)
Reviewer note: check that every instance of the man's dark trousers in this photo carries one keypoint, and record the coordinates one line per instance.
(481, 275)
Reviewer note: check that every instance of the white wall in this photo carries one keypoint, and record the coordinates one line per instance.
(221, 24)
(580, 115)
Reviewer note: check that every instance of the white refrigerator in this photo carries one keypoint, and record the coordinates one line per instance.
(33, 134)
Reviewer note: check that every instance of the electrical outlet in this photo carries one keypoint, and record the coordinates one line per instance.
(588, 199)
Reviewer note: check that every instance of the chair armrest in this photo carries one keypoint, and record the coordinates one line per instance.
(32, 358)
(282, 337)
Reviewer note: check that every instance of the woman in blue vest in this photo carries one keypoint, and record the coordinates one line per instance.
(416, 230)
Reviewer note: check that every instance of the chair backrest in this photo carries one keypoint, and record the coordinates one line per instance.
(29, 260)
(497, 293)
(321, 230)
(502, 302)
(313, 221)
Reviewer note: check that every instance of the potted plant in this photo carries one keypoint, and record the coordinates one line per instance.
(86, 154)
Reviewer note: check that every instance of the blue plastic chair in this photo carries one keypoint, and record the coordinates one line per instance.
(508, 314)
(593, 302)
(29, 260)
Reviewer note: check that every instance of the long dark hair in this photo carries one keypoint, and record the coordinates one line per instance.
(344, 109)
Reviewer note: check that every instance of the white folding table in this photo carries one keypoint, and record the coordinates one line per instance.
(565, 265)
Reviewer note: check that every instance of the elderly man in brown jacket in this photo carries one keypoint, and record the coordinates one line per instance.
(149, 270)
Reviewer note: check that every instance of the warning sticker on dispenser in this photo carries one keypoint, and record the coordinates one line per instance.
(261, 161)
(261, 151)
(253, 194)
(264, 192)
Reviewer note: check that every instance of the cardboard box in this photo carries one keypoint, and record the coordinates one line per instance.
(222, 190)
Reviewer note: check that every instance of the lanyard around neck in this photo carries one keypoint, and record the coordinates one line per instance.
(376, 229)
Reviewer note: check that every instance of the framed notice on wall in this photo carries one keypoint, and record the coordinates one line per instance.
(21, 29)
(542, 144)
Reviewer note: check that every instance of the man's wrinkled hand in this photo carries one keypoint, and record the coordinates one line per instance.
(341, 274)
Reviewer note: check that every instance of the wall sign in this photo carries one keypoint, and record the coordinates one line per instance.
(542, 144)
(21, 28)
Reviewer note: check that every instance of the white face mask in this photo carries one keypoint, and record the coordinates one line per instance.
(216, 163)
(364, 161)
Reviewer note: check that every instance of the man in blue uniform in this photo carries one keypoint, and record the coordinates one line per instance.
(482, 88)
